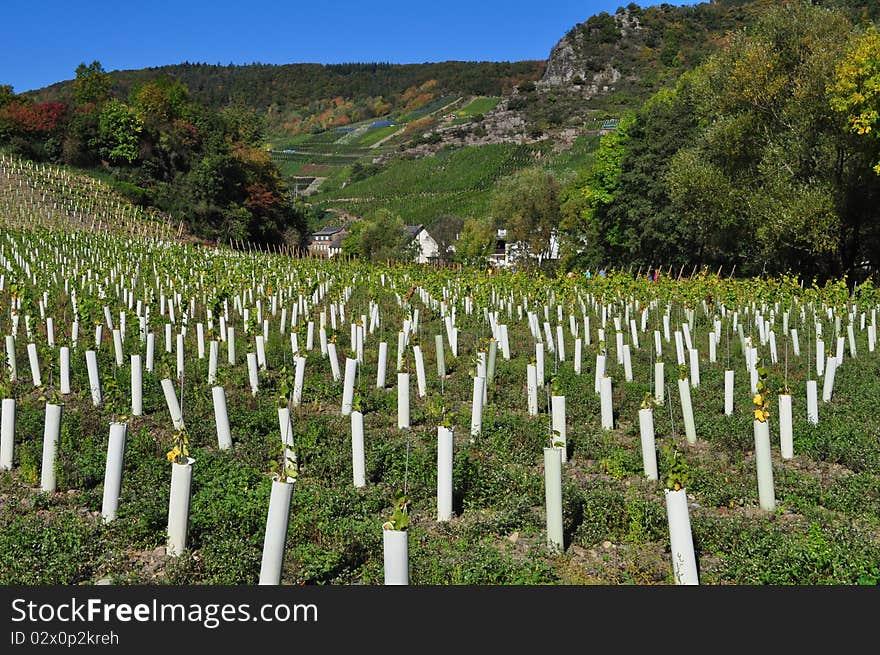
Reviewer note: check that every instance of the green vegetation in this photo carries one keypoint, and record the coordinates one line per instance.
(59, 198)
(579, 156)
(376, 134)
(750, 150)
(475, 109)
(478, 106)
(527, 205)
(437, 106)
(379, 237)
(302, 98)
(158, 147)
(455, 181)
(741, 136)
(754, 160)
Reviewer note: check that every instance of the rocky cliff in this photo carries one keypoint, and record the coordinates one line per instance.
(584, 56)
(637, 50)
(601, 67)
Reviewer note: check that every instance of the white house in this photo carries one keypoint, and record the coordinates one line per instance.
(507, 252)
(428, 248)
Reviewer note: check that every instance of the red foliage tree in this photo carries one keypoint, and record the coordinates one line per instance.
(39, 119)
(260, 199)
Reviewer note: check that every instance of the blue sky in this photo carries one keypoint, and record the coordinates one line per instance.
(46, 47)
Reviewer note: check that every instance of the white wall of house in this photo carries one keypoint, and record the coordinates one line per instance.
(428, 248)
(514, 249)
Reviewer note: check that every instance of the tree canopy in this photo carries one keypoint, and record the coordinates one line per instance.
(381, 236)
(527, 206)
(161, 148)
(761, 158)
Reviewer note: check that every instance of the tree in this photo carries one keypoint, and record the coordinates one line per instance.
(588, 196)
(638, 225)
(82, 130)
(705, 203)
(32, 130)
(243, 123)
(351, 242)
(382, 236)
(204, 165)
(232, 225)
(602, 28)
(160, 101)
(528, 205)
(744, 162)
(476, 240)
(856, 89)
(91, 90)
(767, 131)
(445, 231)
(7, 95)
(27, 118)
(119, 129)
(92, 84)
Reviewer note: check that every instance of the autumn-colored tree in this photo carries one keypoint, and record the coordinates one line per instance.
(856, 88)
(160, 101)
(37, 119)
(206, 166)
(32, 129)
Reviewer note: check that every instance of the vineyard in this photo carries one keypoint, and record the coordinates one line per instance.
(442, 104)
(356, 138)
(458, 181)
(56, 198)
(373, 136)
(455, 181)
(179, 414)
(477, 106)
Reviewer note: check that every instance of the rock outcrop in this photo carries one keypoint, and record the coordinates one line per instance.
(585, 56)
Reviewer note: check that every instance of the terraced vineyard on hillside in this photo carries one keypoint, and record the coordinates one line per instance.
(54, 197)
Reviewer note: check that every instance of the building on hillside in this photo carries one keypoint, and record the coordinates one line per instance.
(327, 241)
(428, 251)
(498, 256)
(507, 252)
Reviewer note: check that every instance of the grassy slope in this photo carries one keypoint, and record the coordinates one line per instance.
(475, 107)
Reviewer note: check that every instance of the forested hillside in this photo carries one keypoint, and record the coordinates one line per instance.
(308, 97)
(737, 135)
(763, 158)
(158, 147)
